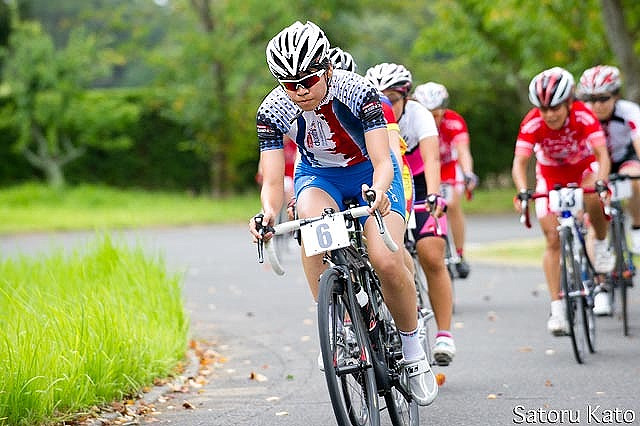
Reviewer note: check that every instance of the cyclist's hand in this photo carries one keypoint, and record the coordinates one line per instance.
(602, 189)
(437, 204)
(519, 198)
(258, 221)
(470, 181)
(381, 203)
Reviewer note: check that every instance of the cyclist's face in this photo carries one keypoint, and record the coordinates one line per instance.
(438, 114)
(602, 105)
(309, 98)
(554, 117)
(397, 100)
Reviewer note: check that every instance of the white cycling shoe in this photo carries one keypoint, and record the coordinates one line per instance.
(419, 379)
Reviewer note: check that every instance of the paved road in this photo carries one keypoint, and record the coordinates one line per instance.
(508, 368)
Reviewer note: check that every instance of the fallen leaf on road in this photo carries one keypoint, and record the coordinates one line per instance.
(273, 398)
(282, 413)
(549, 352)
(458, 324)
(440, 378)
(548, 383)
(491, 396)
(525, 349)
(258, 377)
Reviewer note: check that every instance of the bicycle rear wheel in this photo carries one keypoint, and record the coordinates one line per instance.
(571, 288)
(346, 355)
(624, 271)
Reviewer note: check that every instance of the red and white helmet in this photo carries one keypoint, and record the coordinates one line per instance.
(296, 49)
(551, 87)
(599, 79)
(432, 95)
(390, 76)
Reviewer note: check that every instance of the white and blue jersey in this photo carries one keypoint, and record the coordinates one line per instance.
(332, 135)
(330, 139)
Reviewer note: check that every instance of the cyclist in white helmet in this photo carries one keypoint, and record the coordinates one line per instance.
(570, 147)
(342, 60)
(599, 88)
(419, 131)
(336, 119)
(456, 162)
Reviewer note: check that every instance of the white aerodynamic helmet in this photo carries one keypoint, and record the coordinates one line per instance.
(432, 95)
(599, 79)
(390, 76)
(342, 60)
(296, 49)
(551, 87)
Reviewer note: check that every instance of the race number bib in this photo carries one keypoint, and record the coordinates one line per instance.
(324, 235)
(566, 199)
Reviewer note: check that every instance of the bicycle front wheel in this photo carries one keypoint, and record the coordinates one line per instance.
(623, 270)
(572, 294)
(346, 355)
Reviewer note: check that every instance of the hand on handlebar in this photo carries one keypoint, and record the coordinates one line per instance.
(379, 201)
(261, 226)
(437, 205)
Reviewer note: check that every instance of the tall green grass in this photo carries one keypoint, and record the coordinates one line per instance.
(84, 328)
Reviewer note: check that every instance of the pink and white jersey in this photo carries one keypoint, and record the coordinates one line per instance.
(332, 135)
(416, 124)
(568, 145)
(622, 128)
(453, 132)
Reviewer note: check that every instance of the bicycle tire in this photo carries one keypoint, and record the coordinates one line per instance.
(353, 394)
(569, 281)
(588, 317)
(402, 412)
(625, 276)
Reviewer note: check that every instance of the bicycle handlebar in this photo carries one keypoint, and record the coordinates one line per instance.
(294, 225)
(530, 195)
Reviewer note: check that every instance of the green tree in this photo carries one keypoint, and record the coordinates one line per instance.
(54, 114)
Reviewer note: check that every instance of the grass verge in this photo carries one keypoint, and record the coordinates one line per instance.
(36, 208)
(84, 328)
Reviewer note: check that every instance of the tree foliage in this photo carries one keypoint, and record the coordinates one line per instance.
(54, 116)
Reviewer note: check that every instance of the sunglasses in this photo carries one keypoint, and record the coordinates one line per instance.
(594, 99)
(307, 82)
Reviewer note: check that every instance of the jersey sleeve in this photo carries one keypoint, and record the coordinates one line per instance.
(457, 128)
(371, 111)
(527, 135)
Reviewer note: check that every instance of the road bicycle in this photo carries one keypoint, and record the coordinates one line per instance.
(358, 338)
(624, 270)
(577, 275)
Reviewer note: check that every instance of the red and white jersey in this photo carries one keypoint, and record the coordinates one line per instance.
(453, 132)
(570, 144)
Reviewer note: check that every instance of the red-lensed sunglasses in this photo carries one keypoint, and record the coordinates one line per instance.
(307, 82)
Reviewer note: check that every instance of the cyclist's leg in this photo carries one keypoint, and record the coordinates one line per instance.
(632, 168)
(603, 259)
(310, 202)
(397, 283)
(556, 323)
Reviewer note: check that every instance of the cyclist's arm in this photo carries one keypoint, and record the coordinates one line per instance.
(377, 141)
(464, 155)
(430, 152)
(394, 143)
(271, 195)
(636, 145)
(519, 175)
(604, 163)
